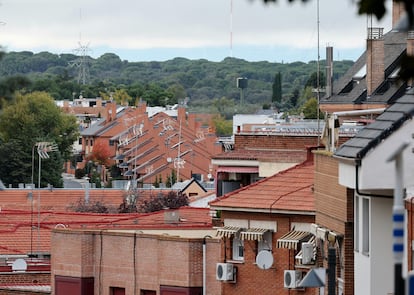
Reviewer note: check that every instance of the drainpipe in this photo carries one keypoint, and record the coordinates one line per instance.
(331, 271)
(204, 264)
(398, 219)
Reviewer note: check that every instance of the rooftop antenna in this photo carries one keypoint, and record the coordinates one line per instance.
(82, 62)
(317, 74)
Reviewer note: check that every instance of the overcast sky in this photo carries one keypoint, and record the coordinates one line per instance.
(144, 30)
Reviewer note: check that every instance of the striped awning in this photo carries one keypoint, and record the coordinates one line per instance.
(253, 234)
(292, 239)
(227, 231)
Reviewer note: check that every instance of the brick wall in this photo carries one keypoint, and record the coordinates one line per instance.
(5, 291)
(334, 211)
(243, 141)
(132, 260)
(35, 278)
(250, 278)
(277, 142)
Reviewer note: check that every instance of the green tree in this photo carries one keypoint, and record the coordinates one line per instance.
(14, 163)
(313, 80)
(277, 88)
(222, 126)
(31, 118)
(171, 179)
(310, 109)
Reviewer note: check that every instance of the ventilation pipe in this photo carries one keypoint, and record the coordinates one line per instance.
(331, 271)
(205, 264)
(329, 71)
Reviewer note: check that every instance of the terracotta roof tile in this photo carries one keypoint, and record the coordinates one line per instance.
(16, 236)
(289, 190)
(20, 234)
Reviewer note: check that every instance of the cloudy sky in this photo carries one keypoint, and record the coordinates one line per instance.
(144, 30)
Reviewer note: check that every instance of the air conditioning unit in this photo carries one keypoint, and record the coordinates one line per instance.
(224, 272)
(307, 253)
(292, 278)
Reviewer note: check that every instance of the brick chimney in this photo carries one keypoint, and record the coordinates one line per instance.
(397, 12)
(111, 111)
(375, 59)
(142, 107)
(181, 114)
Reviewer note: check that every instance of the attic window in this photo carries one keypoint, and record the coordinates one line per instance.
(361, 73)
(394, 74)
(348, 87)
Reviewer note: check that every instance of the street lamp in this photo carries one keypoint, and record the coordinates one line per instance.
(43, 150)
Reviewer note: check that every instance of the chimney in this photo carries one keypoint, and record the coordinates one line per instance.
(398, 11)
(181, 114)
(375, 59)
(329, 71)
(111, 111)
(142, 107)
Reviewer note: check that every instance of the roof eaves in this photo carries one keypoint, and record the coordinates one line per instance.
(373, 143)
(263, 210)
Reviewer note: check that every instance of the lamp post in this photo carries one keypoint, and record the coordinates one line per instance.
(43, 150)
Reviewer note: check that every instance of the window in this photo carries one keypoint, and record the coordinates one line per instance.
(80, 140)
(238, 249)
(148, 292)
(365, 226)
(111, 143)
(116, 291)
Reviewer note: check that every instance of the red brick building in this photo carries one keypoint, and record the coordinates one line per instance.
(149, 262)
(265, 224)
(147, 148)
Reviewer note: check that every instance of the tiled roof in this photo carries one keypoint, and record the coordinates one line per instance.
(395, 45)
(290, 190)
(384, 125)
(155, 146)
(20, 234)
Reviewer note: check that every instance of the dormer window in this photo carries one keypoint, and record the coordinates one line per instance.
(361, 73)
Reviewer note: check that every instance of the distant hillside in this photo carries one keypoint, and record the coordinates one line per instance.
(199, 80)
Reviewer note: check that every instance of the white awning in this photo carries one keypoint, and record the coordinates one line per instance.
(227, 231)
(292, 239)
(253, 234)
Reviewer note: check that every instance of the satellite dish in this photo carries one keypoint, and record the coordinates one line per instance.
(19, 265)
(264, 259)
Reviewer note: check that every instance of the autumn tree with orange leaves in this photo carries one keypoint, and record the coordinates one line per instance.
(100, 154)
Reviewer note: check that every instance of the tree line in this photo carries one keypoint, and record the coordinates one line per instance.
(201, 84)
